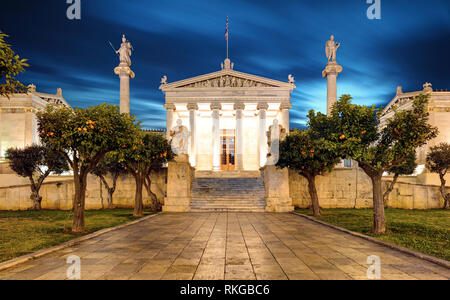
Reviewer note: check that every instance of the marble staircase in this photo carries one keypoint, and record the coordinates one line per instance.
(225, 191)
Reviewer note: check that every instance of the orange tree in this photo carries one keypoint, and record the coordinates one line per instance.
(149, 151)
(308, 156)
(83, 136)
(356, 133)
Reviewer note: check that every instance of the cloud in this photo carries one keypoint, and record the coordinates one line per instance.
(181, 39)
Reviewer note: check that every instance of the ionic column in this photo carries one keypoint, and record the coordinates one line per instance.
(262, 107)
(331, 72)
(216, 107)
(239, 107)
(125, 73)
(169, 123)
(193, 107)
(285, 116)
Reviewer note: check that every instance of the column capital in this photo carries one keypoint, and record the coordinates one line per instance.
(285, 106)
(192, 106)
(123, 70)
(169, 106)
(262, 106)
(332, 68)
(215, 106)
(239, 106)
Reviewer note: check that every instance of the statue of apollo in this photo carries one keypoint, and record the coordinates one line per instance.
(331, 48)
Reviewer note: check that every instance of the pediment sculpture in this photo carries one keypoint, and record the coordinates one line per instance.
(226, 81)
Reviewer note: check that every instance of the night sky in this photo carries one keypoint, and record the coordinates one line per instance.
(409, 46)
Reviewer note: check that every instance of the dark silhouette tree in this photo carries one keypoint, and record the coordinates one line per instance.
(438, 161)
(36, 163)
(408, 167)
(109, 166)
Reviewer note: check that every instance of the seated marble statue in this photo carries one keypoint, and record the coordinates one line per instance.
(275, 134)
(180, 138)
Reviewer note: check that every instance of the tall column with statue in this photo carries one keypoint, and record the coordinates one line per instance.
(124, 72)
(331, 72)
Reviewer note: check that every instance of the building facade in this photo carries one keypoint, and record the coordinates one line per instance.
(18, 122)
(439, 116)
(228, 115)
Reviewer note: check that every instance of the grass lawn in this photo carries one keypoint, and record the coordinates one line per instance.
(24, 232)
(426, 231)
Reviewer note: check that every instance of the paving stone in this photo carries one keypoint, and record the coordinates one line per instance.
(217, 246)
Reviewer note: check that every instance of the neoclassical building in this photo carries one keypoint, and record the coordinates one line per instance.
(18, 122)
(228, 114)
(439, 110)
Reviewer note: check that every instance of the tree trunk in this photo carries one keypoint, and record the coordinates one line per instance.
(389, 190)
(313, 194)
(379, 222)
(110, 198)
(138, 205)
(443, 190)
(36, 199)
(148, 186)
(79, 201)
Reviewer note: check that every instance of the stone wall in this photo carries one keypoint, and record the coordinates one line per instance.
(57, 193)
(352, 188)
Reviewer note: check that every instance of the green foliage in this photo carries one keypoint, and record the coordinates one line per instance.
(10, 66)
(24, 232)
(36, 163)
(357, 133)
(309, 156)
(109, 165)
(35, 160)
(438, 159)
(85, 135)
(421, 230)
(148, 151)
(407, 167)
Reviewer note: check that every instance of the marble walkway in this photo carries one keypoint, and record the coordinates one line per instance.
(227, 246)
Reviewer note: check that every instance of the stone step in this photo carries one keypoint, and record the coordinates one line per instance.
(249, 210)
(228, 198)
(228, 193)
(222, 202)
(227, 174)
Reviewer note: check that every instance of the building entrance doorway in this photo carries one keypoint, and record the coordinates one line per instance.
(228, 150)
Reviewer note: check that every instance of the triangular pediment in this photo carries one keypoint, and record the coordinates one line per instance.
(227, 79)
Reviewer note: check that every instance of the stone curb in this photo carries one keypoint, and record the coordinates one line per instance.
(22, 259)
(435, 260)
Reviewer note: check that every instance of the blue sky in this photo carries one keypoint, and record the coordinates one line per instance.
(408, 46)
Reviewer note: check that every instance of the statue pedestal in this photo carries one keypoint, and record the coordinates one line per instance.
(276, 183)
(331, 72)
(179, 181)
